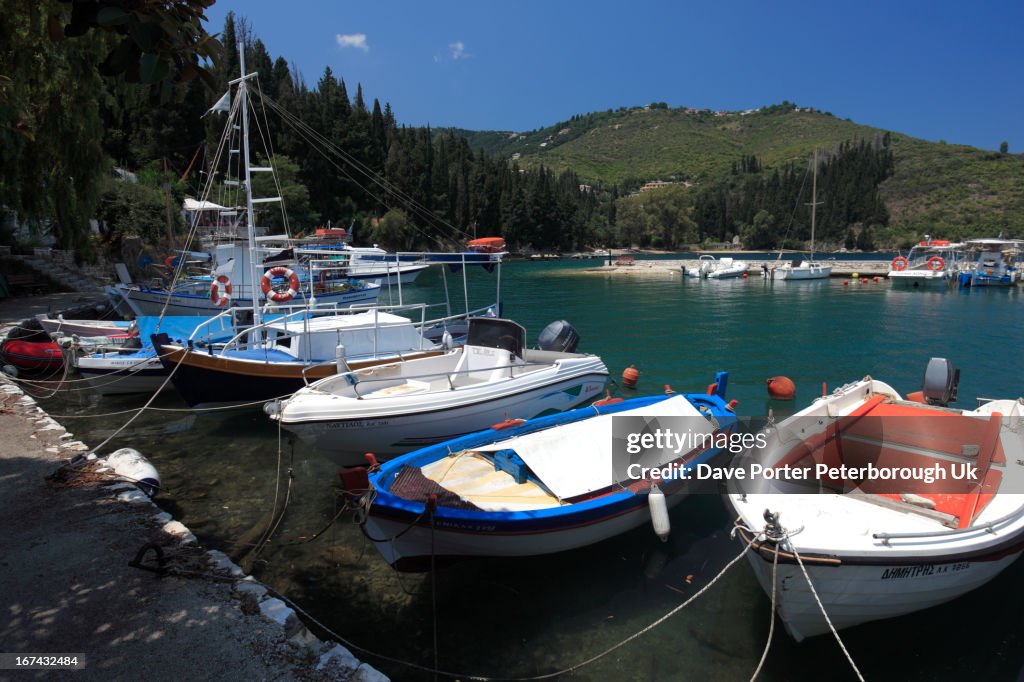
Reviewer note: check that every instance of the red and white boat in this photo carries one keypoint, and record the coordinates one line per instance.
(878, 547)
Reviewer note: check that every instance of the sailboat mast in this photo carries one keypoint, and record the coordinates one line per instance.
(243, 91)
(814, 199)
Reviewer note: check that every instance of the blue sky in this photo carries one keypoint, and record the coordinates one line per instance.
(936, 70)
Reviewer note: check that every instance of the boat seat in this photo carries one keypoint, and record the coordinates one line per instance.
(410, 387)
(473, 478)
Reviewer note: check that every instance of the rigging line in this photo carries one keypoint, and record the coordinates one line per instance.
(410, 202)
(792, 216)
(771, 615)
(141, 409)
(312, 142)
(269, 149)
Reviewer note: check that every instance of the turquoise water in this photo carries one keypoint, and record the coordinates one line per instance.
(537, 615)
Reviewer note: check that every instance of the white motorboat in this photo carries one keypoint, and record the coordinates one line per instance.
(395, 407)
(931, 263)
(903, 504)
(723, 268)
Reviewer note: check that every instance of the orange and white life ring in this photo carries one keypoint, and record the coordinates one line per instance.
(899, 263)
(936, 263)
(267, 284)
(220, 291)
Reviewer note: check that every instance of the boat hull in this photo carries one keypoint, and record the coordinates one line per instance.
(206, 380)
(927, 279)
(451, 539)
(799, 274)
(860, 593)
(123, 377)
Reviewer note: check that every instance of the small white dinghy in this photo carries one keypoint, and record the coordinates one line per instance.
(395, 407)
(942, 515)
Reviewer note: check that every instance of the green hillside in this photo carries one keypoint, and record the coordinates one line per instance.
(952, 190)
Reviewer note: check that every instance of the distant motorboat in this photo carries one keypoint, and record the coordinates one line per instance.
(930, 263)
(723, 268)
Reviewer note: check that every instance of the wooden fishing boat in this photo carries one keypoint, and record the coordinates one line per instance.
(536, 487)
(946, 518)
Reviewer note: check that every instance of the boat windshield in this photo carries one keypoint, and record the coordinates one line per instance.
(496, 333)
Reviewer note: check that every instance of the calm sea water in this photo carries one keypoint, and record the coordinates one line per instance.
(537, 615)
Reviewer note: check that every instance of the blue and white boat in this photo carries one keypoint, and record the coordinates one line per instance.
(124, 368)
(996, 263)
(537, 487)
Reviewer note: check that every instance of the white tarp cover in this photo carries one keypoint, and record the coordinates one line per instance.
(576, 458)
(196, 205)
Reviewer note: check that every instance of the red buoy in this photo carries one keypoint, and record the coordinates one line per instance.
(630, 375)
(781, 388)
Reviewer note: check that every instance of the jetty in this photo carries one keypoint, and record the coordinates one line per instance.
(840, 268)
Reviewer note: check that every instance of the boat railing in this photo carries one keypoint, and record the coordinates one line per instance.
(988, 527)
(354, 380)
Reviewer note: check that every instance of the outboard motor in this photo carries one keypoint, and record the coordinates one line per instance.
(941, 380)
(559, 336)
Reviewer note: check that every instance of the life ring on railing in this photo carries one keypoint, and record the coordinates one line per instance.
(220, 291)
(936, 263)
(900, 263)
(267, 284)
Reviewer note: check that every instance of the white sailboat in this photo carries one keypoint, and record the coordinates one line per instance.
(810, 268)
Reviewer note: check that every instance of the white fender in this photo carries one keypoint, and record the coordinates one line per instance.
(659, 513)
(130, 464)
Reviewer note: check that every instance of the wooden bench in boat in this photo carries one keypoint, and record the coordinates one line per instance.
(912, 435)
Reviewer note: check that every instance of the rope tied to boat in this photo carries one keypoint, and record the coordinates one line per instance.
(777, 534)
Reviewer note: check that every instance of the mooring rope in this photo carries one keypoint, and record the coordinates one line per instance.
(771, 616)
(821, 606)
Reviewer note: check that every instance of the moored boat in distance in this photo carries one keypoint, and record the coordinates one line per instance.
(543, 486)
(995, 263)
(946, 518)
(930, 263)
(723, 268)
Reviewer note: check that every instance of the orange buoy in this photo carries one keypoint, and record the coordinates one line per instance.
(668, 390)
(781, 388)
(732, 405)
(846, 282)
(630, 375)
(744, 275)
